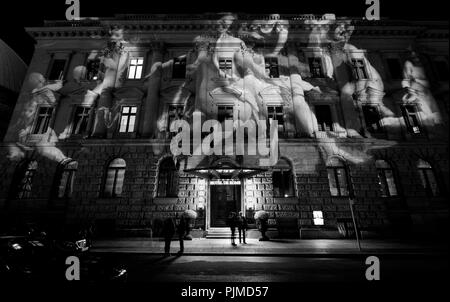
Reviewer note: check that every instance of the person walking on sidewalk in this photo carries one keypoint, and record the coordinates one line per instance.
(232, 223)
(182, 229)
(242, 227)
(168, 231)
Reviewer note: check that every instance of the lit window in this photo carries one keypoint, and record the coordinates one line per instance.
(81, 120)
(224, 113)
(318, 217)
(115, 176)
(135, 68)
(359, 69)
(315, 66)
(26, 173)
(411, 117)
(283, 179)
(386, 179)
(43, 120)
(179, 68)
(372, 118)
(57, 70)
(276, 113)
(66, 179)
(271, 65)
(324, 119)
(337, 177)
(395, 68)
(428, 178)
(128, 119)
(225, 65)
(167, 179)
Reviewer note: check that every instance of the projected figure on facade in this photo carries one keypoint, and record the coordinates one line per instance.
(38, 136)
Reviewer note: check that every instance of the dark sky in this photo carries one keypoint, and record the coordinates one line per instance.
(17, 14)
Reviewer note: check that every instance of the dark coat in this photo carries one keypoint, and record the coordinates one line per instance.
(182, 227)
(168, 228)
(242, 223)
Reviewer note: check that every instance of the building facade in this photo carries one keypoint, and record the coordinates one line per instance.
(361, 110)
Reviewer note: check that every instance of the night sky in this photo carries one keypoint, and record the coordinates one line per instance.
(17, 14)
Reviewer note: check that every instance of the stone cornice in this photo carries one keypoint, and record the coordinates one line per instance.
(180, 24)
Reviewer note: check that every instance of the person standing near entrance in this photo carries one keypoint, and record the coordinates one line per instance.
(182, 228)
(242, 227)
(232, 223)
(168, 231)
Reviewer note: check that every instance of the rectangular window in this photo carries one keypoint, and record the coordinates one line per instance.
(81, 120)
(175, 113)
(272, 67)
(135, 68)
(411, 119)
(323, 116)
(315, 66)
(57, 70)
(43, 120)
(372, 118)
(283, 183)
(318, 217)
(179, 68)
(226, 65)
(276, 113)
(93, 70)
(128, 119)
(114, 182)
(25, 185)
(337, 177)
(224, 113)
(387, 182)
(359, 69)
(428, 181)
(395, 68)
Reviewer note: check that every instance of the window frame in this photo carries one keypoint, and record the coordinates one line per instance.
(129, 114)
(311, 61)
(406, 118)
(130, 64)
(272, 67)
(423, 173)
(88, 119)
(355, 69)
(68, 187)
(286, 173)
(381, 128)
(277, 115)
(51, 66)
(171, 178)
(343, 167)
(381, 173)
(50, 119)
(116, 170)
(24, 179)
(319, 125)
(228, 70)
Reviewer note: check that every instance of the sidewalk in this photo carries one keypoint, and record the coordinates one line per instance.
(275, 247)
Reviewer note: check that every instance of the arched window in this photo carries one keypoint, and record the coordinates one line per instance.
(65, 178)
(428, 178)
(386, 178)
(167, 179)
(337, 177)
(115, 175)
(283, 180)
(24, 179)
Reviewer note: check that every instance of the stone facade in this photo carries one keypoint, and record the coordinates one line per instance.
(303, 143)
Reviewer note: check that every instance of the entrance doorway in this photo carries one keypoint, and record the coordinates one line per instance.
(224, 199)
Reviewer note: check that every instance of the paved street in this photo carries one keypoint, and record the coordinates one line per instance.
(155, 268)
